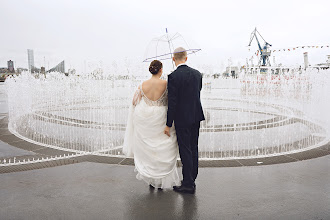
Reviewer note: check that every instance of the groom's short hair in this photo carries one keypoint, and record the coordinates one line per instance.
(180, 53)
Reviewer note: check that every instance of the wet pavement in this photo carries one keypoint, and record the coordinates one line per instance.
(7, 150)
(299, 190)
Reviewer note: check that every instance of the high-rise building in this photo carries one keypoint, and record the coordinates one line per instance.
(306, 60)
(59, 68)
(10, 64)
(30, 59)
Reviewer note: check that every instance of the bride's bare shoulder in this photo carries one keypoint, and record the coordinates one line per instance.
(145, 83)
(163, 82)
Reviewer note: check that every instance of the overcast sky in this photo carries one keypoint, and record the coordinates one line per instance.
(99, 32)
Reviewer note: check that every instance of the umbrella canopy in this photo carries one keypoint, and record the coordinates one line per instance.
(161, 48)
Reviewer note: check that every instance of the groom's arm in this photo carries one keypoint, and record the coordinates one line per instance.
(172, 99)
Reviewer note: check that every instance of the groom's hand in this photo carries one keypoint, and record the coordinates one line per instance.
(167, 131)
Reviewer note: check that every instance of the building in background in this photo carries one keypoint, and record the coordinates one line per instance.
(30, 59)
(7, 71)
(232, 71)
(325, 65)
(10, 65)
(20, 70)
(59, 68)
(306, 63)
(3, 69)
(43, 70)
(71, 72)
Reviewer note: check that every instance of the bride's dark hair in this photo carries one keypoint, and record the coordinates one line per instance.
(155, 66)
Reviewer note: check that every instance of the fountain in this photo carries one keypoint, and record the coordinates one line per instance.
(253, 116)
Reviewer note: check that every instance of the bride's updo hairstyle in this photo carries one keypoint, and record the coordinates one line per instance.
(155, 66)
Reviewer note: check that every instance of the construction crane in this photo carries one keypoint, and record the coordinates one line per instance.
(264, 51)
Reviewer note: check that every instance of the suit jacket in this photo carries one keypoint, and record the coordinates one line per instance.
(184, 103)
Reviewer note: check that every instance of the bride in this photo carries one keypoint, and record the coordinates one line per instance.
(155, 154)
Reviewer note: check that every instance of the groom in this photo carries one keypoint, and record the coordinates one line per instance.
(185, 109)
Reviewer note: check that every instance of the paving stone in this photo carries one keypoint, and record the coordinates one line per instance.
(105, 159)
(325, 147)
(266, 160)
(127, 161)
(219, 163)
(9, 138)
(51, 151)
(305, 155)
(4, 131)
(3, 125)
(25, 145)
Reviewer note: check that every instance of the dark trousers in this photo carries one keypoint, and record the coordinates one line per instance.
(188, 149)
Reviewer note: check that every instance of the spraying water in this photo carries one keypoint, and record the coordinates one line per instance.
(255, 115)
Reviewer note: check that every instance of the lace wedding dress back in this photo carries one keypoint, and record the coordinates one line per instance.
(155, 154)
(161, 101)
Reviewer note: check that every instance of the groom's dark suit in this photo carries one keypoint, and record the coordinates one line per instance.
(185, 109)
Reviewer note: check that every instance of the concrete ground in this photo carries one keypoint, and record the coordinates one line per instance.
(299, 190)
(10, 151)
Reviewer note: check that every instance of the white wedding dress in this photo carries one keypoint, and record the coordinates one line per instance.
(155, 154)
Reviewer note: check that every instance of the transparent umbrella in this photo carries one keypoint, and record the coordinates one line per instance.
(161, 48)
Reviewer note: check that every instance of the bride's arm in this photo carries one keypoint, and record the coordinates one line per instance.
(137, 96)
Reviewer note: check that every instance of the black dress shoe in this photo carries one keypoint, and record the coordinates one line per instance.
(184, 189)
(182, 184)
